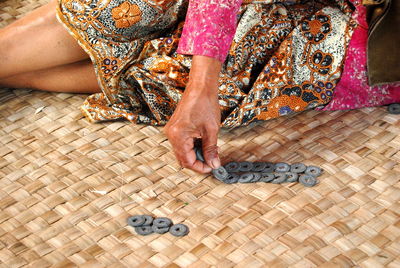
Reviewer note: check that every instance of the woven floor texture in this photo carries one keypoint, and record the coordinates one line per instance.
(67, 187)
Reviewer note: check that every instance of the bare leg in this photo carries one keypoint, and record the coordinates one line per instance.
(78, 77)
(37, 41)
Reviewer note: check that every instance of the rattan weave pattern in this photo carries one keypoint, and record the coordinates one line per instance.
(67, 187)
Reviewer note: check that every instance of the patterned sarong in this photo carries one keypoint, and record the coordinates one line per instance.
(286, 57)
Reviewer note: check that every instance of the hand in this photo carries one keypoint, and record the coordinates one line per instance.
(197, 116)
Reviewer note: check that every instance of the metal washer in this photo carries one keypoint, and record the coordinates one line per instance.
(179, 229)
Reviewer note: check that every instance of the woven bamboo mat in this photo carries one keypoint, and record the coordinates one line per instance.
(67, 187)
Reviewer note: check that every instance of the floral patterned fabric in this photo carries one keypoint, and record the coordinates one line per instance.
(209, 28)
(353, 91)
(285, 57)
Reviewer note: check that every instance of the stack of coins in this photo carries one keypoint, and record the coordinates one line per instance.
(146, 224)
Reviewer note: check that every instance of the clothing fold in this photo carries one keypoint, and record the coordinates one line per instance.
(279, 58)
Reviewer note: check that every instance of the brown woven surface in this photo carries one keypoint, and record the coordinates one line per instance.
(67, 187)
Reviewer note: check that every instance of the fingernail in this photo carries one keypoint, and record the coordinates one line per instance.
(216, 163)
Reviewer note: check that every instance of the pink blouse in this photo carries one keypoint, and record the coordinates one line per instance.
(210, 26)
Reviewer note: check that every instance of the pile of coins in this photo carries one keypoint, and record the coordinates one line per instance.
(146, 224)
(249, 172)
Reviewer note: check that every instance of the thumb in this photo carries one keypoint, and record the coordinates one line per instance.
(210, 148)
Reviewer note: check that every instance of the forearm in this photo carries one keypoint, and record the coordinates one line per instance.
(198, 116)
(204, 73)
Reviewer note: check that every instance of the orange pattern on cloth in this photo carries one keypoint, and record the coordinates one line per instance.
(126, 15)
(284, 58)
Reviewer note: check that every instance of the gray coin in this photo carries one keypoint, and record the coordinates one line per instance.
(232, 167)
(298, 167)
(291, 177)
(313, 171)
(199, 154)
(233, 178)
(148, 220)
(137, 220)
(245, 166)
(144, 230)
(267, 177)
(279, 178)
(282, 167)
(246, 177)
(257, 177)
(179, 229)
(160, 230)
(220, 173)
(259, 166)
(162, 222)
(394, 108)
(269, 167)
(308, 180)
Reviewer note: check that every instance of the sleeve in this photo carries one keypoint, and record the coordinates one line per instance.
(209, 28)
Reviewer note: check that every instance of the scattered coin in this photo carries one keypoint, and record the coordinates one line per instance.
(148, 220)
(162, 222)
(282, 167)
(298, 167)
(220, 173)
(313, 171)
(232, 167)
(307, 180)
(246, 177)
(233, 178)
(292, 177)
(259, 166)
(137, 220)
(144, 230)
(267, 177)
(394, 108)
(199, 154)
(245, 166)
(269, 167)
(160, 230)
(279, 178)
(179, 230)
(256, 176)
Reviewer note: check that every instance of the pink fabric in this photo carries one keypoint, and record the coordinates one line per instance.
(211, 24)
(353, 91)
(209, 28)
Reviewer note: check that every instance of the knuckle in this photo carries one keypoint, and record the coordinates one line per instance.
(186, 164)
(173, 130)
(210, 152)
(210, 148)
(213, 128)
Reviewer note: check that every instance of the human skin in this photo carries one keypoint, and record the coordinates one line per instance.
(197, 115)
(57, 63)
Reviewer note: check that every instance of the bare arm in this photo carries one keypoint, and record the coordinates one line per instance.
(197, 116)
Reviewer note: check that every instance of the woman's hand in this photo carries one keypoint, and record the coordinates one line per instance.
(197, 116)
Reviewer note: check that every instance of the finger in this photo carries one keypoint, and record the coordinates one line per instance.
(187, 157)
(184, 152)
(182, 144)
(200, 167)
(210, 148)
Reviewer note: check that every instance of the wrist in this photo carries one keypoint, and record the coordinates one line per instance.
(205, 69)
(202, 88)
(204, 76)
